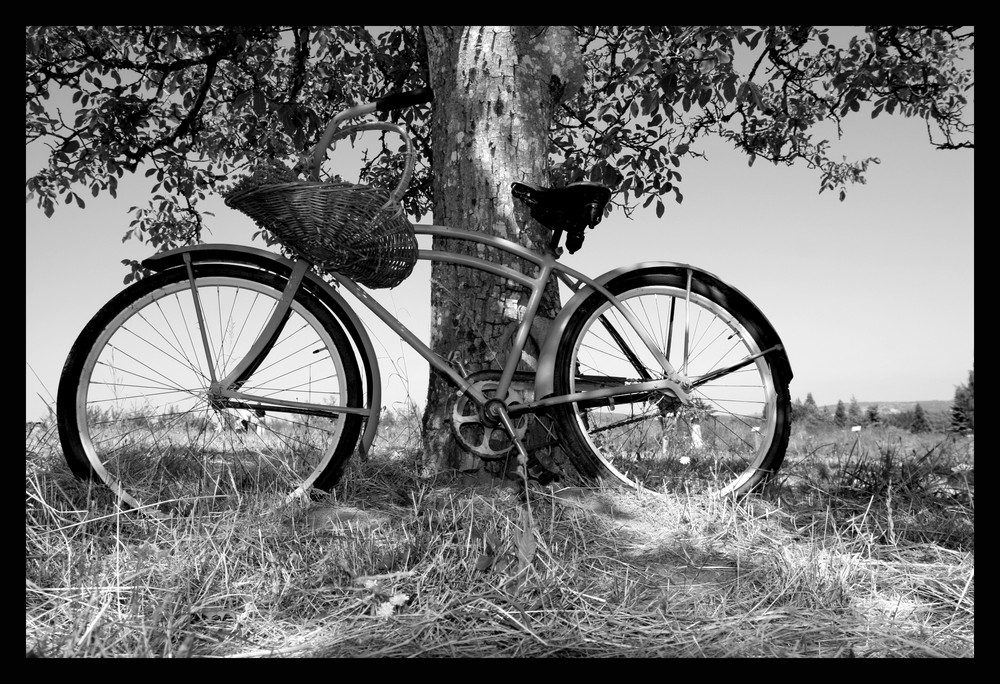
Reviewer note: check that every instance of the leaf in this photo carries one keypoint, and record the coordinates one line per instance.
(241, 99)
(637, 69)
(704, 97)
(659, 209)
(729, 90)
(259, 105)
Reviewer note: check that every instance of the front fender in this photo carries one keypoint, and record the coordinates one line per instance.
(333, 300)
(545, 374)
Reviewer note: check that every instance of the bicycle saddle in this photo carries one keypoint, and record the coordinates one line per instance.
(571, 208)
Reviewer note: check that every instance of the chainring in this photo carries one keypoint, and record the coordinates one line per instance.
(476, 437)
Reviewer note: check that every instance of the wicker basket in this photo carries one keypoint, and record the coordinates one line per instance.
(355, 230)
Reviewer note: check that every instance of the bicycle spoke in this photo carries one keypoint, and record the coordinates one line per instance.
(721, 372)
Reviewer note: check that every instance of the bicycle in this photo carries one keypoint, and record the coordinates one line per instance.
(232, 368)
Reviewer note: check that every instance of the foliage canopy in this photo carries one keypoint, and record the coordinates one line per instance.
(191, 106)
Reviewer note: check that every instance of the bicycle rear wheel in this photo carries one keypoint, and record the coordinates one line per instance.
(733, 435)
(135, 409)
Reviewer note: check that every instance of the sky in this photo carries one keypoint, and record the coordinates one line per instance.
(873, 297)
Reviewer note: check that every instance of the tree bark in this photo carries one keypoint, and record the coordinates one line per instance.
(495, 91)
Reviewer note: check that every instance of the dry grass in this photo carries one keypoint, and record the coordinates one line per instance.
(853, 553)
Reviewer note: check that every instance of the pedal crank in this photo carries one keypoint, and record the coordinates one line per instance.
(496, 410)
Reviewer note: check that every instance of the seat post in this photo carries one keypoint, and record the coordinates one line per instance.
(554, 242)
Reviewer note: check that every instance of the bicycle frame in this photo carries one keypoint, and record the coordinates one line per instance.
(299, 271)
(546, 264)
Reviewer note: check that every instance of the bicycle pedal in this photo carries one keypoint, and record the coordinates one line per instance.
(542, 475)
(541, 472)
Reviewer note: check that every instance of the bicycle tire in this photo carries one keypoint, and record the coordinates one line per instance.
(133, 409)
(735, 434)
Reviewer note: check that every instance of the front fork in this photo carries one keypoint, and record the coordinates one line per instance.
(224, 392)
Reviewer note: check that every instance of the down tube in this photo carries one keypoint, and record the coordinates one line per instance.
(564, 273)
(407, 336)
(537, 287)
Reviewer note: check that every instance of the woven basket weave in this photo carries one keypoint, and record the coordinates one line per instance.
(355, 230)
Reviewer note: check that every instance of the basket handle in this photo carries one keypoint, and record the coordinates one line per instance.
(330, 136)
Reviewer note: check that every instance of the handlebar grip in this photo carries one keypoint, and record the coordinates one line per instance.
(406, 99)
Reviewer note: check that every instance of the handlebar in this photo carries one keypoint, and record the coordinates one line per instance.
(388, 103)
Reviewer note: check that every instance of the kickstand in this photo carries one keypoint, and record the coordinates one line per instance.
(522, 453)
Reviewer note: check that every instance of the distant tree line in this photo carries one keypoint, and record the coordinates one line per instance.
(961, 417)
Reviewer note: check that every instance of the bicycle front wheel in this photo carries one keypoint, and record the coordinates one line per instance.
(136, 409)
(732, 435)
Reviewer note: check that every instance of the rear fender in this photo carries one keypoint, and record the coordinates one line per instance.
(734, 299)
(333, 300)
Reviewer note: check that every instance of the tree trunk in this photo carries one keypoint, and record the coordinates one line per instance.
(495, 91)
